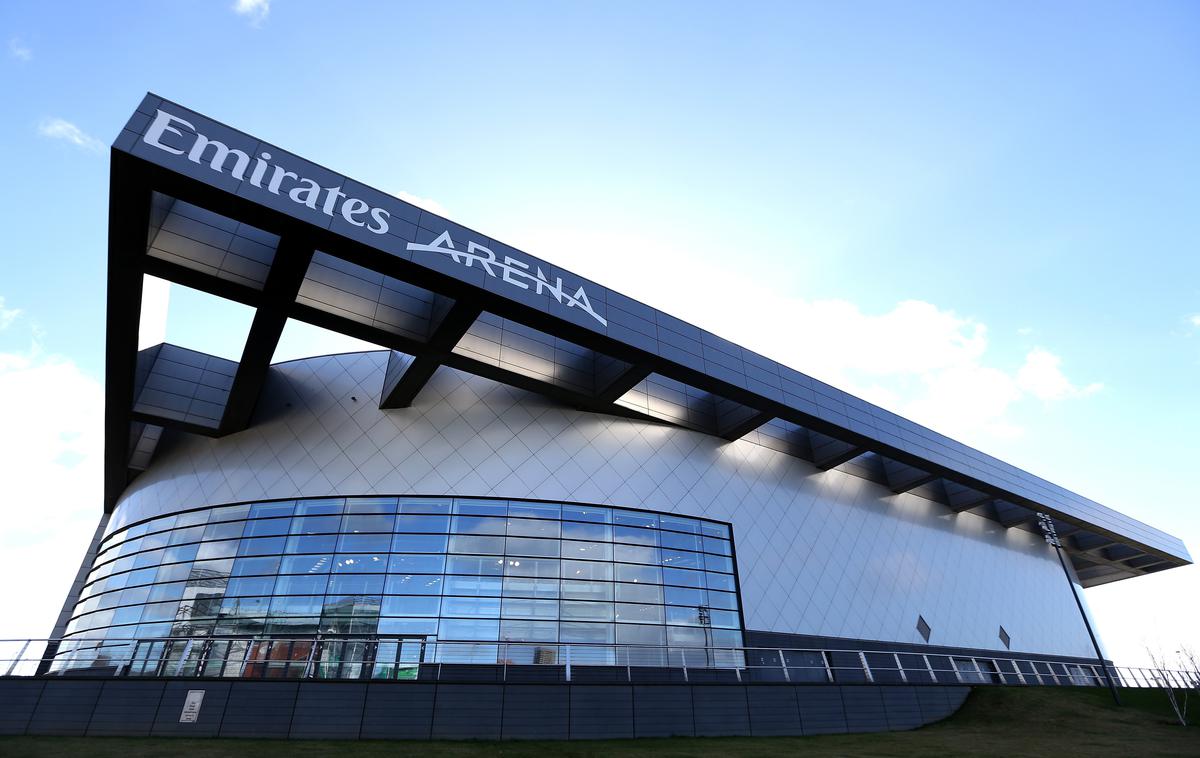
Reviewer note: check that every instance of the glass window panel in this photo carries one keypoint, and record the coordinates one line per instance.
(718, 563)
(680, 541)
(419, 543)
(319, 543)
(410, 606)
(180, 553)
(288, 626)
(173, 572)
(225, 530)
(635, 518)
(137, 530)
(192, 518)
(373, 505)
(192, 534)
(587, 551)
(367, 523)
(535, 510)
(528, 608)
(267, 527)
(525, 527)
(141, 576)
(364, 543)
(163, 592)
(229, 513)
(725, 638)
(319, 507)
(579, 631)
(460, 543)
(720, 582)
(409, 626)
(481, 507)
(305, 564)
(516, 586)
(628, 572)
(683, 616)
(589, 532)
(588, 513)
(256, 566)
(160, 524)
(479, 525)
(685, 596)
(468, 629)
(359, 563)
(134, 595)
(714, 530)
(476, 586)
(127, 615)
(687, 637)
(152, 558)
(636, 634)
(418, 505)
(161, 629)
(639, 593)
(531, 546)
(315, 524)
(299, 605)
(586, 590)
(262, 546)
(301, 584)
(539, 567)
(413, 584)
(417, 564)
(725, 619)
(471, 607)
(475, 565)
(151, 541)
(683, 577)
(718, 546)
(255, 585)
(722, 600)
(635, 554)
(679, 524)
(272, 510)
(423, 524)
(528, 631)
(632, 535)
(210, 570)
(355, 584)
(635, 613)
(355, 604)
(680, 559)
(130, 547)
(245, 606)
(579, 610)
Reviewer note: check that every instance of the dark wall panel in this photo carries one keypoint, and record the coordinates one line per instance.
(328, 711)
(65, 708)
(126, 708)
(468, 712)
(663, 711)
(259, 709)
(208, 721)
(18, 699)
(398, 712)
(537, 712)
(601, 711)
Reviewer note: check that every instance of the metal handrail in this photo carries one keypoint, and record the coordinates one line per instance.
(398, 657)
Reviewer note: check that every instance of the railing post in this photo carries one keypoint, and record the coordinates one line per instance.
(900, 668)
(568, 659)
(20, 655)
(862, 658)
(787, 677)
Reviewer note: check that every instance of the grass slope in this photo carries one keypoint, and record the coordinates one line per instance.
(993, 722)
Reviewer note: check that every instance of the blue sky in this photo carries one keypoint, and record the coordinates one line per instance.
(980, 215)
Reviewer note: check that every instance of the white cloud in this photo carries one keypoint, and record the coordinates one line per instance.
(917, 359)
(19, 50)
(433, 206)
(255, 10)
(1194, 320)
(156, 298)
(7, 315)
(1041, 377)
(50, 463)
(58, 128)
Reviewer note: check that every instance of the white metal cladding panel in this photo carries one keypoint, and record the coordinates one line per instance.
(819, 552)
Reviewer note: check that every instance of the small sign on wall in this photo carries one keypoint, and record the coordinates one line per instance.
(191, 707)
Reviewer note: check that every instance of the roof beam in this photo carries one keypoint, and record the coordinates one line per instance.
(1010, 515)
(288, 268)
(902, 477)
(623, 382)
(960, 498)
(828, 452)
(406, 376)
(737, 424)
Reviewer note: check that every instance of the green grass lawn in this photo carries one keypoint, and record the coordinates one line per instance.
(993, 722)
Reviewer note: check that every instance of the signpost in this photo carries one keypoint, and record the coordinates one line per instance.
(191, 707)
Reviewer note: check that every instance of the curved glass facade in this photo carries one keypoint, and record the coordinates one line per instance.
(444, 569)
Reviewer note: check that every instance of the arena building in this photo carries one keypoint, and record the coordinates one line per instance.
(536, 470)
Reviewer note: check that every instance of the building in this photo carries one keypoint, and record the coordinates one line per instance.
(536, 471)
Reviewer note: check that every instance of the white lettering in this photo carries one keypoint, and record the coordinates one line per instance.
(307, 193)
(353, 207)
(511, 267)
(380, 217)
(162, 124)
(221, 152)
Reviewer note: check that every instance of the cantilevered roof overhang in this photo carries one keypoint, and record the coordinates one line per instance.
(195, 202)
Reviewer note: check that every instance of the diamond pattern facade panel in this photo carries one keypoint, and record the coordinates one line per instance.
(819, 552)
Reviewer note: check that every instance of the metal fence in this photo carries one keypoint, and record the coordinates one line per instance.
(414, 658)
